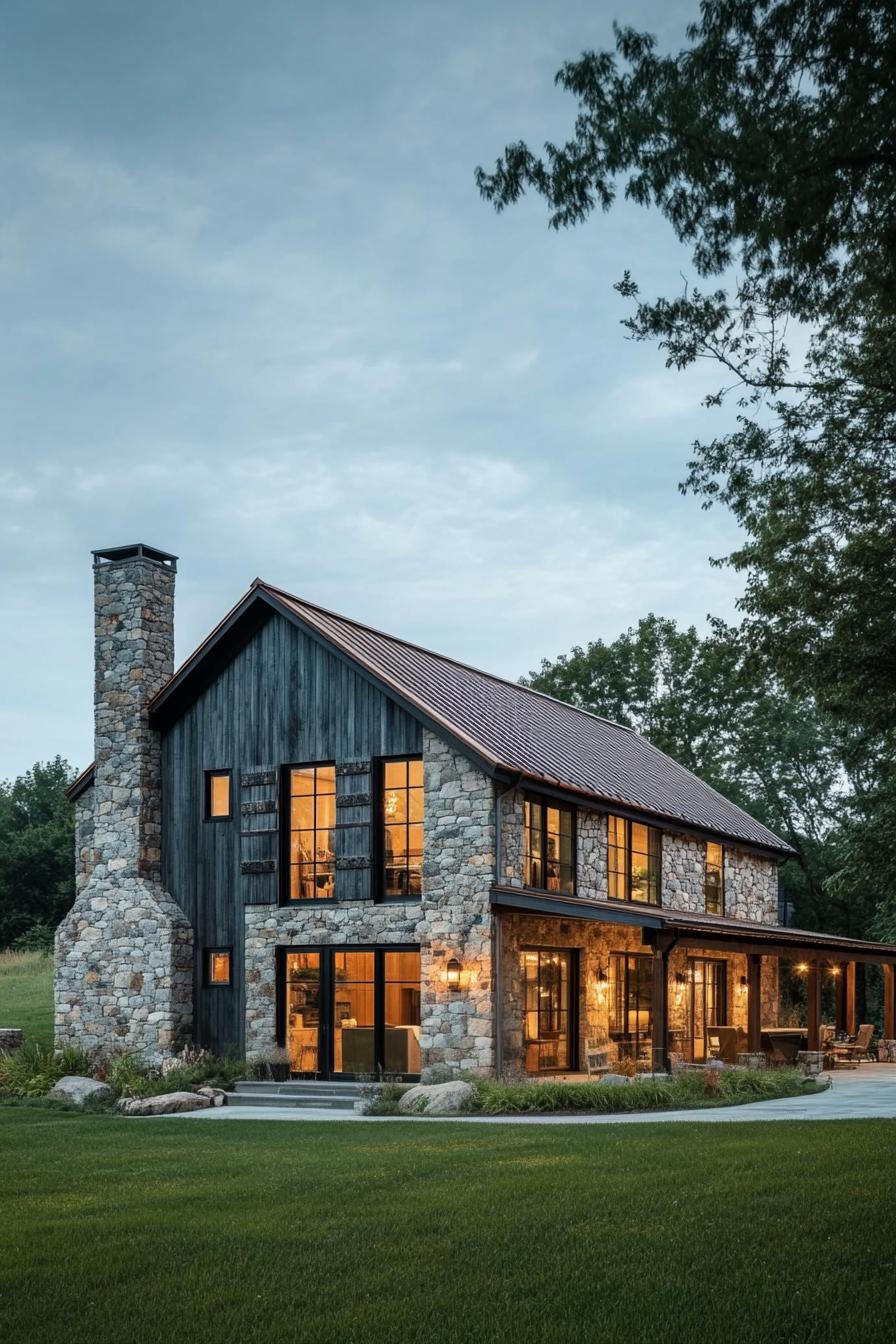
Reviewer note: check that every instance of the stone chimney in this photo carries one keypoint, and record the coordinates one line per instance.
(134, 657)
(124, 953)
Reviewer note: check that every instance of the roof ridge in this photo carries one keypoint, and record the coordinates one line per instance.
(447, 658)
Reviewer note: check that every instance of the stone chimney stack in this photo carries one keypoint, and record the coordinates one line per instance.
(134, 657)
(124, 953)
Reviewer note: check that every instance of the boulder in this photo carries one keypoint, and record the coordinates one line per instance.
(216, 1095)
(614, 1079)
(76, 1089)
(169, 1103)
(10, 1039)
(439, 1098)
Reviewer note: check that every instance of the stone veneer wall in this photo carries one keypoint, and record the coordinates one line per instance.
(595, 943)
(83, 839)
(124, 974)
(683, 873)
(452, 920)
(751, 887)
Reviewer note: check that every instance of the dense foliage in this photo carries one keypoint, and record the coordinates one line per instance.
(767, 144)
(37, 876)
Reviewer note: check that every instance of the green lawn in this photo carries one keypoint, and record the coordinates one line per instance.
(26, 994)
(124, 1231)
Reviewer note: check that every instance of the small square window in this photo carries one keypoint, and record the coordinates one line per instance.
(217, 966)
(217, 795)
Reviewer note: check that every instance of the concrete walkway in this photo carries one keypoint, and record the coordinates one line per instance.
(866, 1093)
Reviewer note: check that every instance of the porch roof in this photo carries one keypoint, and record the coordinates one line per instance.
(714, 932)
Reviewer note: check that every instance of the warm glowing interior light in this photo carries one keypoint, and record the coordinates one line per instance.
(219, 796)
(802, 967)
(452, 973)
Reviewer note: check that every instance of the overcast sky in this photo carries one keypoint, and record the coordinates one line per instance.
(255, 313)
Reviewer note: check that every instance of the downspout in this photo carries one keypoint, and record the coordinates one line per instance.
(498, 937)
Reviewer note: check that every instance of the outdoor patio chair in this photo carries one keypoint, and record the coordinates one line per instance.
(857, 1050)
(721, 1043)
(597, 1055)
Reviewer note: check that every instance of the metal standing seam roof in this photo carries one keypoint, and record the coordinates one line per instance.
(527, 732)
(519, 730)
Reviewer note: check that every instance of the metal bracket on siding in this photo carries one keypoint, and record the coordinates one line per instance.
(252, 779)
(362, 861)
(353, 768)
(353, 800)
(257, 809)
(258, 866)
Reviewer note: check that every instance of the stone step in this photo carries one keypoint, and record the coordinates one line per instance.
(299, 1087)
(293, 1103)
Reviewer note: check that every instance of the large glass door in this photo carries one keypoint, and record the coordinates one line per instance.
(708, 1001)
(351, 1011)
(631, 1004)
(547, 980)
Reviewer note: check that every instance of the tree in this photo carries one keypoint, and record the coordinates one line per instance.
(37, 884)
(768, 145)
(711, 705)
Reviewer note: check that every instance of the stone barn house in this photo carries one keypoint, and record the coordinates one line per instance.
(317, 836)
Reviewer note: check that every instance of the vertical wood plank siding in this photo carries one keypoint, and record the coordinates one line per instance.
(283, 699)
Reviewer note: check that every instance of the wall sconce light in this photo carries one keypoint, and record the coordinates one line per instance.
(802, 967)
(680, 978)
(601, 980)
(452, 974)
(742, 984)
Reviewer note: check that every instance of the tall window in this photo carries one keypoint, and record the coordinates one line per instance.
(549, 859)
(217, 795)
(312, 819)
(631, 1002)
(402, 821)
(634, 861)
(714, 884)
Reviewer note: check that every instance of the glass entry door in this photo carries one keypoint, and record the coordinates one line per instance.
(708, 1006)
(547, 981)
(631, 1004)
(351, 1011)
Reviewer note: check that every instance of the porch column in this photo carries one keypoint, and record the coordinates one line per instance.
(754, 1002)
(660, 1049)
(850, 998)
(813, 988)
(889, 1003)
(840, 997)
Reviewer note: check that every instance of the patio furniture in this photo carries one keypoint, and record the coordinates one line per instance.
(722, 1044)
(597, 1055)
(855, 1051)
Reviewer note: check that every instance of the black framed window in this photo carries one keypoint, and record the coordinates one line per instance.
(218, 795)
(631, 1002)
(311, 857)
(218, 967)
(714, 882)
(401, 828)
(549, 859)
(634, 861)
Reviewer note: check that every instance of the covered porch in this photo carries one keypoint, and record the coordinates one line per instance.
(649, 983)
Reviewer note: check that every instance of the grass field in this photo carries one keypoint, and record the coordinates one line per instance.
(134, 1231)
(26, 994)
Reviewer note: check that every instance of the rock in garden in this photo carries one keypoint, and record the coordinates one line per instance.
(216, 1095)
(72, 1088)
(10, 1039)
(169, 1103)
(441, 1098)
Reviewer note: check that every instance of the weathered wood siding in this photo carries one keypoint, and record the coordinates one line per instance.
(284, 699)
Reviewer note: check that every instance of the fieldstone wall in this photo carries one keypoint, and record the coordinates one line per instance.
(751, 887)
(124, 952)
(592, 877)
(458, 871)
(84, 848)
(683, 873)
(512, 838)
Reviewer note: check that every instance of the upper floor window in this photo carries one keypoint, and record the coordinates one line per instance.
(714, 882)
(217, 795)
(312, 822)
(402, 829)
(549, 859)
(634, 861)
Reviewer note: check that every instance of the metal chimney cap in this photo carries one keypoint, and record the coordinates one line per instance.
(139, 551)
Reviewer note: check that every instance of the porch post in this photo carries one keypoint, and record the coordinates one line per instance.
(660, 1051)
(754, 1002)
(850, 998)
(813, 988)
(840, 997)
(889, 1003)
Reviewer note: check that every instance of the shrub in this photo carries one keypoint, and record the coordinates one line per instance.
(32, 1070)
(38, 938)
(382, 1097)
(687, 1090)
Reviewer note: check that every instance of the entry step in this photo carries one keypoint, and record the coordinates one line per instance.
(308, 1095)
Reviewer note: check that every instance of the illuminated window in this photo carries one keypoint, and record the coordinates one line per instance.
(217, 966)
(549, 859)
(402, 833)
(217, 795)
(714, 882)
(634, 861)
(312, 832)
